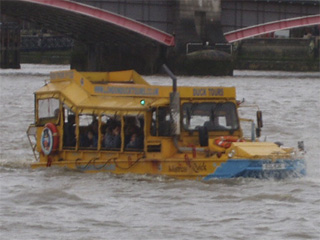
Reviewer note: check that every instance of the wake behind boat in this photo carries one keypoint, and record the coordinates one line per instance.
(117, 122)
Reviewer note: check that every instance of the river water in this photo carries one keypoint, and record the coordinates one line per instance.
(62, 204)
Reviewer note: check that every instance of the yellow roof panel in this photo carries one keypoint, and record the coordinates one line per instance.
(119, 91)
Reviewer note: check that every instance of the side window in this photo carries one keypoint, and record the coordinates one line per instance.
(160, 122)
(69, 129)
(225, 116)
(104, 125)
(133, 133)
(153, 126)
(88, 131)
(48, 111)
(164, 123)
(214, 116)
(222, 121)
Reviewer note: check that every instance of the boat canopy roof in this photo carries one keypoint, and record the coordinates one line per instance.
(119, 91)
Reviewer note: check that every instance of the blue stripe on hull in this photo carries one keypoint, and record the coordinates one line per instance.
(259, 169)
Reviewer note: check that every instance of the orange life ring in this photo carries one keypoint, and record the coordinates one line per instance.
(49, 139)
(225, 141)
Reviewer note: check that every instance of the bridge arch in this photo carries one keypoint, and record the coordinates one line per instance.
(269, 27)
(84, 22)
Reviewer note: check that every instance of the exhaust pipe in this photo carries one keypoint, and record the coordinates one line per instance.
(172, 76)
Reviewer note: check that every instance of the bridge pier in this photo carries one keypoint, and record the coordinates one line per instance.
(10, 45)
(190, 22)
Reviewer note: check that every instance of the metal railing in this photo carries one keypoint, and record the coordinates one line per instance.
(45, 43)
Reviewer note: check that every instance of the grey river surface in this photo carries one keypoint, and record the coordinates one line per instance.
(62, 204)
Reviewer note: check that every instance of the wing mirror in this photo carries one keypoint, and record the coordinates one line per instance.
(259, 123)
(259, 119)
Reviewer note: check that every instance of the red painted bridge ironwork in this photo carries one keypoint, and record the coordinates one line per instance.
(260, 29)
(122, 22)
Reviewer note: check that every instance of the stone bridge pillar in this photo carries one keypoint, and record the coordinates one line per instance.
(201, 48)
(10, 44)
(117, 56)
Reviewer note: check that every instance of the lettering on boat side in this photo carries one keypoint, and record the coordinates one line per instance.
(177, 168)
(210, 92)
(196, 167)
(273, 166)
(200, 167)
(61, 75)
(141, 91)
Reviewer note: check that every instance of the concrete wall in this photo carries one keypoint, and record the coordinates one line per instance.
(278, 54)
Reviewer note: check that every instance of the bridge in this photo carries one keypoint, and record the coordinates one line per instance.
(239, 14)
(143, 34)
(271, 27)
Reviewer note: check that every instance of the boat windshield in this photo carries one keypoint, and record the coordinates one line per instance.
(212, 115)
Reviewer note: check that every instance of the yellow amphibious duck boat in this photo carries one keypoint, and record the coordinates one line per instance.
(117, 122)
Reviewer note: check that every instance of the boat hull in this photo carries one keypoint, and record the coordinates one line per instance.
(199, 169)
(278, 169)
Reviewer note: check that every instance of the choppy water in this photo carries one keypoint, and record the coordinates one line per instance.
(62, 204)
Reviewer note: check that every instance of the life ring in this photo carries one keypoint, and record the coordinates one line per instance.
(49, 139)
(225, 141)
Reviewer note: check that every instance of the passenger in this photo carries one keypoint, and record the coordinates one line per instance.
(130, 130)
(89, 140)
(132, 125)
(113, 138)
(69, 136)
(136, 142)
